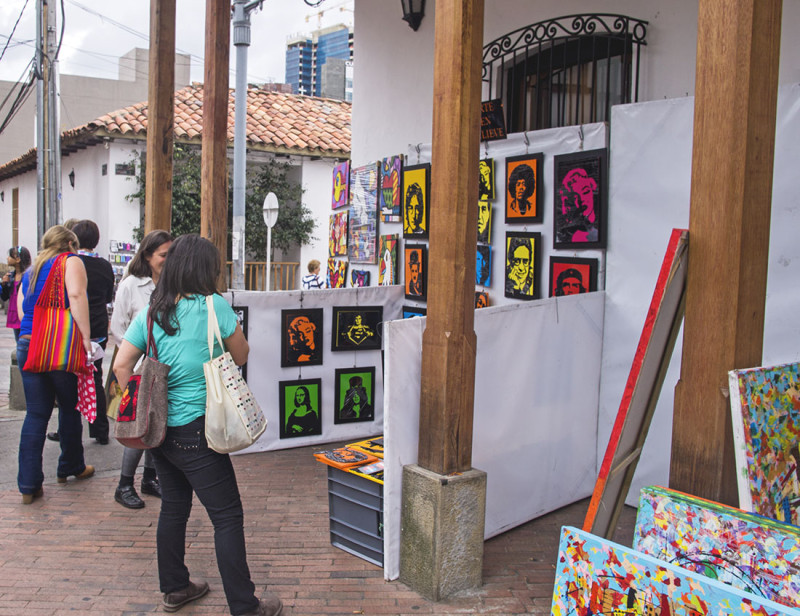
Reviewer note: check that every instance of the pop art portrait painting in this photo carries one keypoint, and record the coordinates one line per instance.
(300, 408)
(572, 275)
(355, 395)
(416, 201)
(483, 266)
(486, 179)
(391, 188)
(341, 185)
(579, 191)
(301, 337)
(357, 328)
(523, 188)
(416, 271)
(522, 265)
(484, 221)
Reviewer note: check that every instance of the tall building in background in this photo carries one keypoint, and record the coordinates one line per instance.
(317, 64)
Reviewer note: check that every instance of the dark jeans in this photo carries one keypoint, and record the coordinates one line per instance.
(99, 428)
(42, 389)
(185, 464)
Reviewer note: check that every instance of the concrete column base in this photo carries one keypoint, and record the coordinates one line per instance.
(441, 541)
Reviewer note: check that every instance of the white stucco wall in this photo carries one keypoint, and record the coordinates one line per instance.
(317, 197)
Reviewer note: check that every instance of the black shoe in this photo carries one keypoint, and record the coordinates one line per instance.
(101, 440)
(127, 497)
(53, 436)
(173, 601)
(151, 487)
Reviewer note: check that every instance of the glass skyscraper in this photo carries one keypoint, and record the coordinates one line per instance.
(307, 57)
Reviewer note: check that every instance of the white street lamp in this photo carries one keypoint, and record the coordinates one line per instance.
(270, 211)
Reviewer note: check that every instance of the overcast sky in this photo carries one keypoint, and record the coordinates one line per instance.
(97, 32)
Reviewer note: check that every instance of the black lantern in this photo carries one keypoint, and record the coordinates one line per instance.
(413, 12)
(71, 177)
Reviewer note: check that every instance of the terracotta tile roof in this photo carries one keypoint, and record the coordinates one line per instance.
(276, 122)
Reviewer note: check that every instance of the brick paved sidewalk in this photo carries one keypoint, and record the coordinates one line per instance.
(76, 551)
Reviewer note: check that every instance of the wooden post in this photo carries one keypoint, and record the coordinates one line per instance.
(214, 167)
(448, 343)
(738, 46)
(160, 116)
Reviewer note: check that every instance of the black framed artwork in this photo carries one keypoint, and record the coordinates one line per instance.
(481, 299)
(300, 408)
(483, 265)
(414, 311)
(522, 265)
(486, 179)
(572, 275)
(301, 337)
(416, 200)
(524, 188)
(357, 328)
(416, 261)
(241, 313)
(355, 395)
(580, 189)
(484, 221)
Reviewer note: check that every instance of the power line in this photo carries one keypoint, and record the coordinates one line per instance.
(14, 29)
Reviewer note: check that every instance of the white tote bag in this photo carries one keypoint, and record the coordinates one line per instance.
(233, 418)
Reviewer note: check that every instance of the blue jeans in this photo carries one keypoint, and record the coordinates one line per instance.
(185, 464)
(42, 390)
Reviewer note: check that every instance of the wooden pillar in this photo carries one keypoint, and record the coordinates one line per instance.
(738, 47)
(214, 168)
(448, 343)
(160, 116)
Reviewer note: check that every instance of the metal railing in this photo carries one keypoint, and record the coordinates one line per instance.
(283, 275)
(564, 71)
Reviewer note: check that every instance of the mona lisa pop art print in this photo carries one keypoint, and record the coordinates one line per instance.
(301, 408)
(355, 395)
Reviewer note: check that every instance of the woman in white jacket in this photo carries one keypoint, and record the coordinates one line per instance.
(133, 294)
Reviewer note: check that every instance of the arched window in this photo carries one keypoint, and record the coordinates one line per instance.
(564, 71)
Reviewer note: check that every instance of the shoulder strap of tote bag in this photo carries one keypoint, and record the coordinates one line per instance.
(52, 294)
(151, 342)
(213, 328)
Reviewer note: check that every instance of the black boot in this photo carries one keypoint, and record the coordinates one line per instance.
(151, 486)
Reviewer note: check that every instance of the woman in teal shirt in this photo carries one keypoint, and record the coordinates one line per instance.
(184, 462)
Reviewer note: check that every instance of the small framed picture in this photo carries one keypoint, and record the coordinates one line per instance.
(414, 311)
(355, 395)
(300, 408)
(416, 201)
(301, 337)
(341, 185)
(241, 318)
(416, 258)
(522, 265)
(486, 179)
(485, 221)
(483, 266)
(337, 234)
(391, 188)
(337, 273)
(387, 268)
(580, 187)
(359, 278)
(357, 328)
(572, 275)
(523, 188)
(481, 299)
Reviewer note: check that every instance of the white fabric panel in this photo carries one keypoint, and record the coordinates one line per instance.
(650, 179)
(536, 394)
(264, 364)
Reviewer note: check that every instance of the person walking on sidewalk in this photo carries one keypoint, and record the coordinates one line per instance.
(19, 259)
(43, 389)
(133, 294)
(185, 463)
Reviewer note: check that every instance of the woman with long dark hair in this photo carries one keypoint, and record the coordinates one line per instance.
(19, 260)
(44, 389)
(133, 294)
(185, 463)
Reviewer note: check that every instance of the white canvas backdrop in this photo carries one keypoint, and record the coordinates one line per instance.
(264, 370)
(650, 176)
(535, 419)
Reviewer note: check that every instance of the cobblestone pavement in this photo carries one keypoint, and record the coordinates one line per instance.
(75, 551)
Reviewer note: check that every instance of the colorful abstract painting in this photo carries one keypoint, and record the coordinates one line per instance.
(742, 549)
(337, 235)
(391, 193)
(362, 241)
(765, 408)
(595, 576)
(387, 270)
(341, 185)
(359, 278)
(337, 274)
